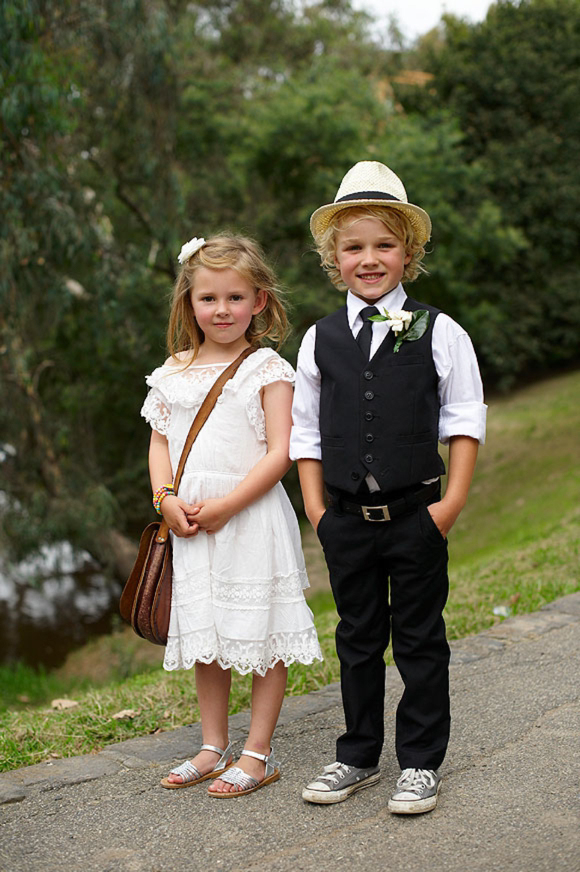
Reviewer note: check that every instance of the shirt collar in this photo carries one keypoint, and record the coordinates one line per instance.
(393, 301)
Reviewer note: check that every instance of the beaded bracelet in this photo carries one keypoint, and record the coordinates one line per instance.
(166, 490)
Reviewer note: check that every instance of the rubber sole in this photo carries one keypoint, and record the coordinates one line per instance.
(232, 794)
(331, 796)
(415, 806)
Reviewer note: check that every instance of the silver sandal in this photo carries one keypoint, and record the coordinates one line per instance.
(191, 774)
(245, 782)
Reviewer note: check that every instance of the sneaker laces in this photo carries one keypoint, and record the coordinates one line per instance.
(335, 772)
(415, 780)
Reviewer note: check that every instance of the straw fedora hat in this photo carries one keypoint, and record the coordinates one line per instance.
(370, 183)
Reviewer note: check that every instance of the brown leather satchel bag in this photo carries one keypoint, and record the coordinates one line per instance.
(146, 598)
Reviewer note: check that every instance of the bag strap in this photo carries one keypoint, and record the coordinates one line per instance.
(198, 422)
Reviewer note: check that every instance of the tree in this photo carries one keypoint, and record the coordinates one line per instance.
(513, 82)
(69, 332)
(127, 127)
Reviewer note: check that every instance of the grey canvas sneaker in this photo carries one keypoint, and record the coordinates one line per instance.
(416, 792)
(338, 781)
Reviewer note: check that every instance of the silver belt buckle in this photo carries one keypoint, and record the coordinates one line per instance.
(383, 509)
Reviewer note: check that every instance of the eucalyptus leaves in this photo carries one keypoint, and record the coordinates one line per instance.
(407, 326)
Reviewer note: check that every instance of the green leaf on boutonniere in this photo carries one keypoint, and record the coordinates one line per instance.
(384, 317)
(416, 329)
(406, 326)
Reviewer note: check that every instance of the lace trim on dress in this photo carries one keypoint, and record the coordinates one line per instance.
(188, 387)
(275, 369)
(247, 594)
(238, 593)
(203, 646)
(155, 411)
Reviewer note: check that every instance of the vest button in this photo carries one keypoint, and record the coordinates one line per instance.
(369, 458)
(369, 375)
(369, 416)
(355, 476)
(369, 437)
(369, 395)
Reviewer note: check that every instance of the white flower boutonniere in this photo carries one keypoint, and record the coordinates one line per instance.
(407, 326)
(190, 248)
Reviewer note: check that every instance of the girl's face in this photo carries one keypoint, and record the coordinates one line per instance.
(371, 259)
(224, 303)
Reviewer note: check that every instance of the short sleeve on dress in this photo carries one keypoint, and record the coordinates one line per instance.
(157, 406)
(274, 369)
(271, 368)
(156, 411)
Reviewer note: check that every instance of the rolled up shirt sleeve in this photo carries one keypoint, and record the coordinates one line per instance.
(462, 410)
(305, 435)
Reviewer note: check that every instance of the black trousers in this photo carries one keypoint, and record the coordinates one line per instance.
(390, 578)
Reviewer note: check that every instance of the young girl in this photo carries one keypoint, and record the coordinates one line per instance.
(238, 568)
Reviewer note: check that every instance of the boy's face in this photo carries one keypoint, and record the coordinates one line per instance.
(371, 259)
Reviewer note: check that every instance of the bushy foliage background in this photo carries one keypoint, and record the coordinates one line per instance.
(127, 127)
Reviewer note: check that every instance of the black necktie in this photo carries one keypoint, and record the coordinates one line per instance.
(365, 334)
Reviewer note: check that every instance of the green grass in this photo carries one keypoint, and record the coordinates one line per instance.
(22, 685)
(523, 578)
(527, 479)
(516, 544)
(31, 733)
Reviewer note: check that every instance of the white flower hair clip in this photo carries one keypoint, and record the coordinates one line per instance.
(190, 248)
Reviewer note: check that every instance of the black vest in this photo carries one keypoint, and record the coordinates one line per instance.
(379, 416)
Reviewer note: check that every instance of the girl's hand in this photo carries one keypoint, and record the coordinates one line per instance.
(213, 514)
(179, 516)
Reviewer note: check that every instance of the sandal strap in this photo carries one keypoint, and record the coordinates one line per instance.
(225, 756)
(223, 761)
(212, 748)
(239, 778)
(187, 771)
(268, 759)
(255, 755)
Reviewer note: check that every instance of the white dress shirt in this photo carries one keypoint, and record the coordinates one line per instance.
(462, 410)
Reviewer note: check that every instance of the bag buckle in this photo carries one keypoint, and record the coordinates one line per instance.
(382, 511)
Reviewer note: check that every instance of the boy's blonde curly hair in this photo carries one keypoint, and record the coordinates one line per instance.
(394, 220)
(244, 255)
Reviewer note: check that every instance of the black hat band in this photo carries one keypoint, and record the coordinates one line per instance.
(368, 195)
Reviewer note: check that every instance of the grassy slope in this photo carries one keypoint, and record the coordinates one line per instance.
(528, 473)
(516, 544)
(517, 541)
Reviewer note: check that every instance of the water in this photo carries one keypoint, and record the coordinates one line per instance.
(52, 603)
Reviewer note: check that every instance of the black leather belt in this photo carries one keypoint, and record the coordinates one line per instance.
(392, 508)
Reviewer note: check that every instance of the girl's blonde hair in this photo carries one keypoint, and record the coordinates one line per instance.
(227, 251)
(395, 221)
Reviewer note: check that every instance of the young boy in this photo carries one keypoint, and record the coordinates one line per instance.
(372, 400)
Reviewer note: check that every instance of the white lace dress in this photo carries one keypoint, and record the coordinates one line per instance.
(238, 593)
